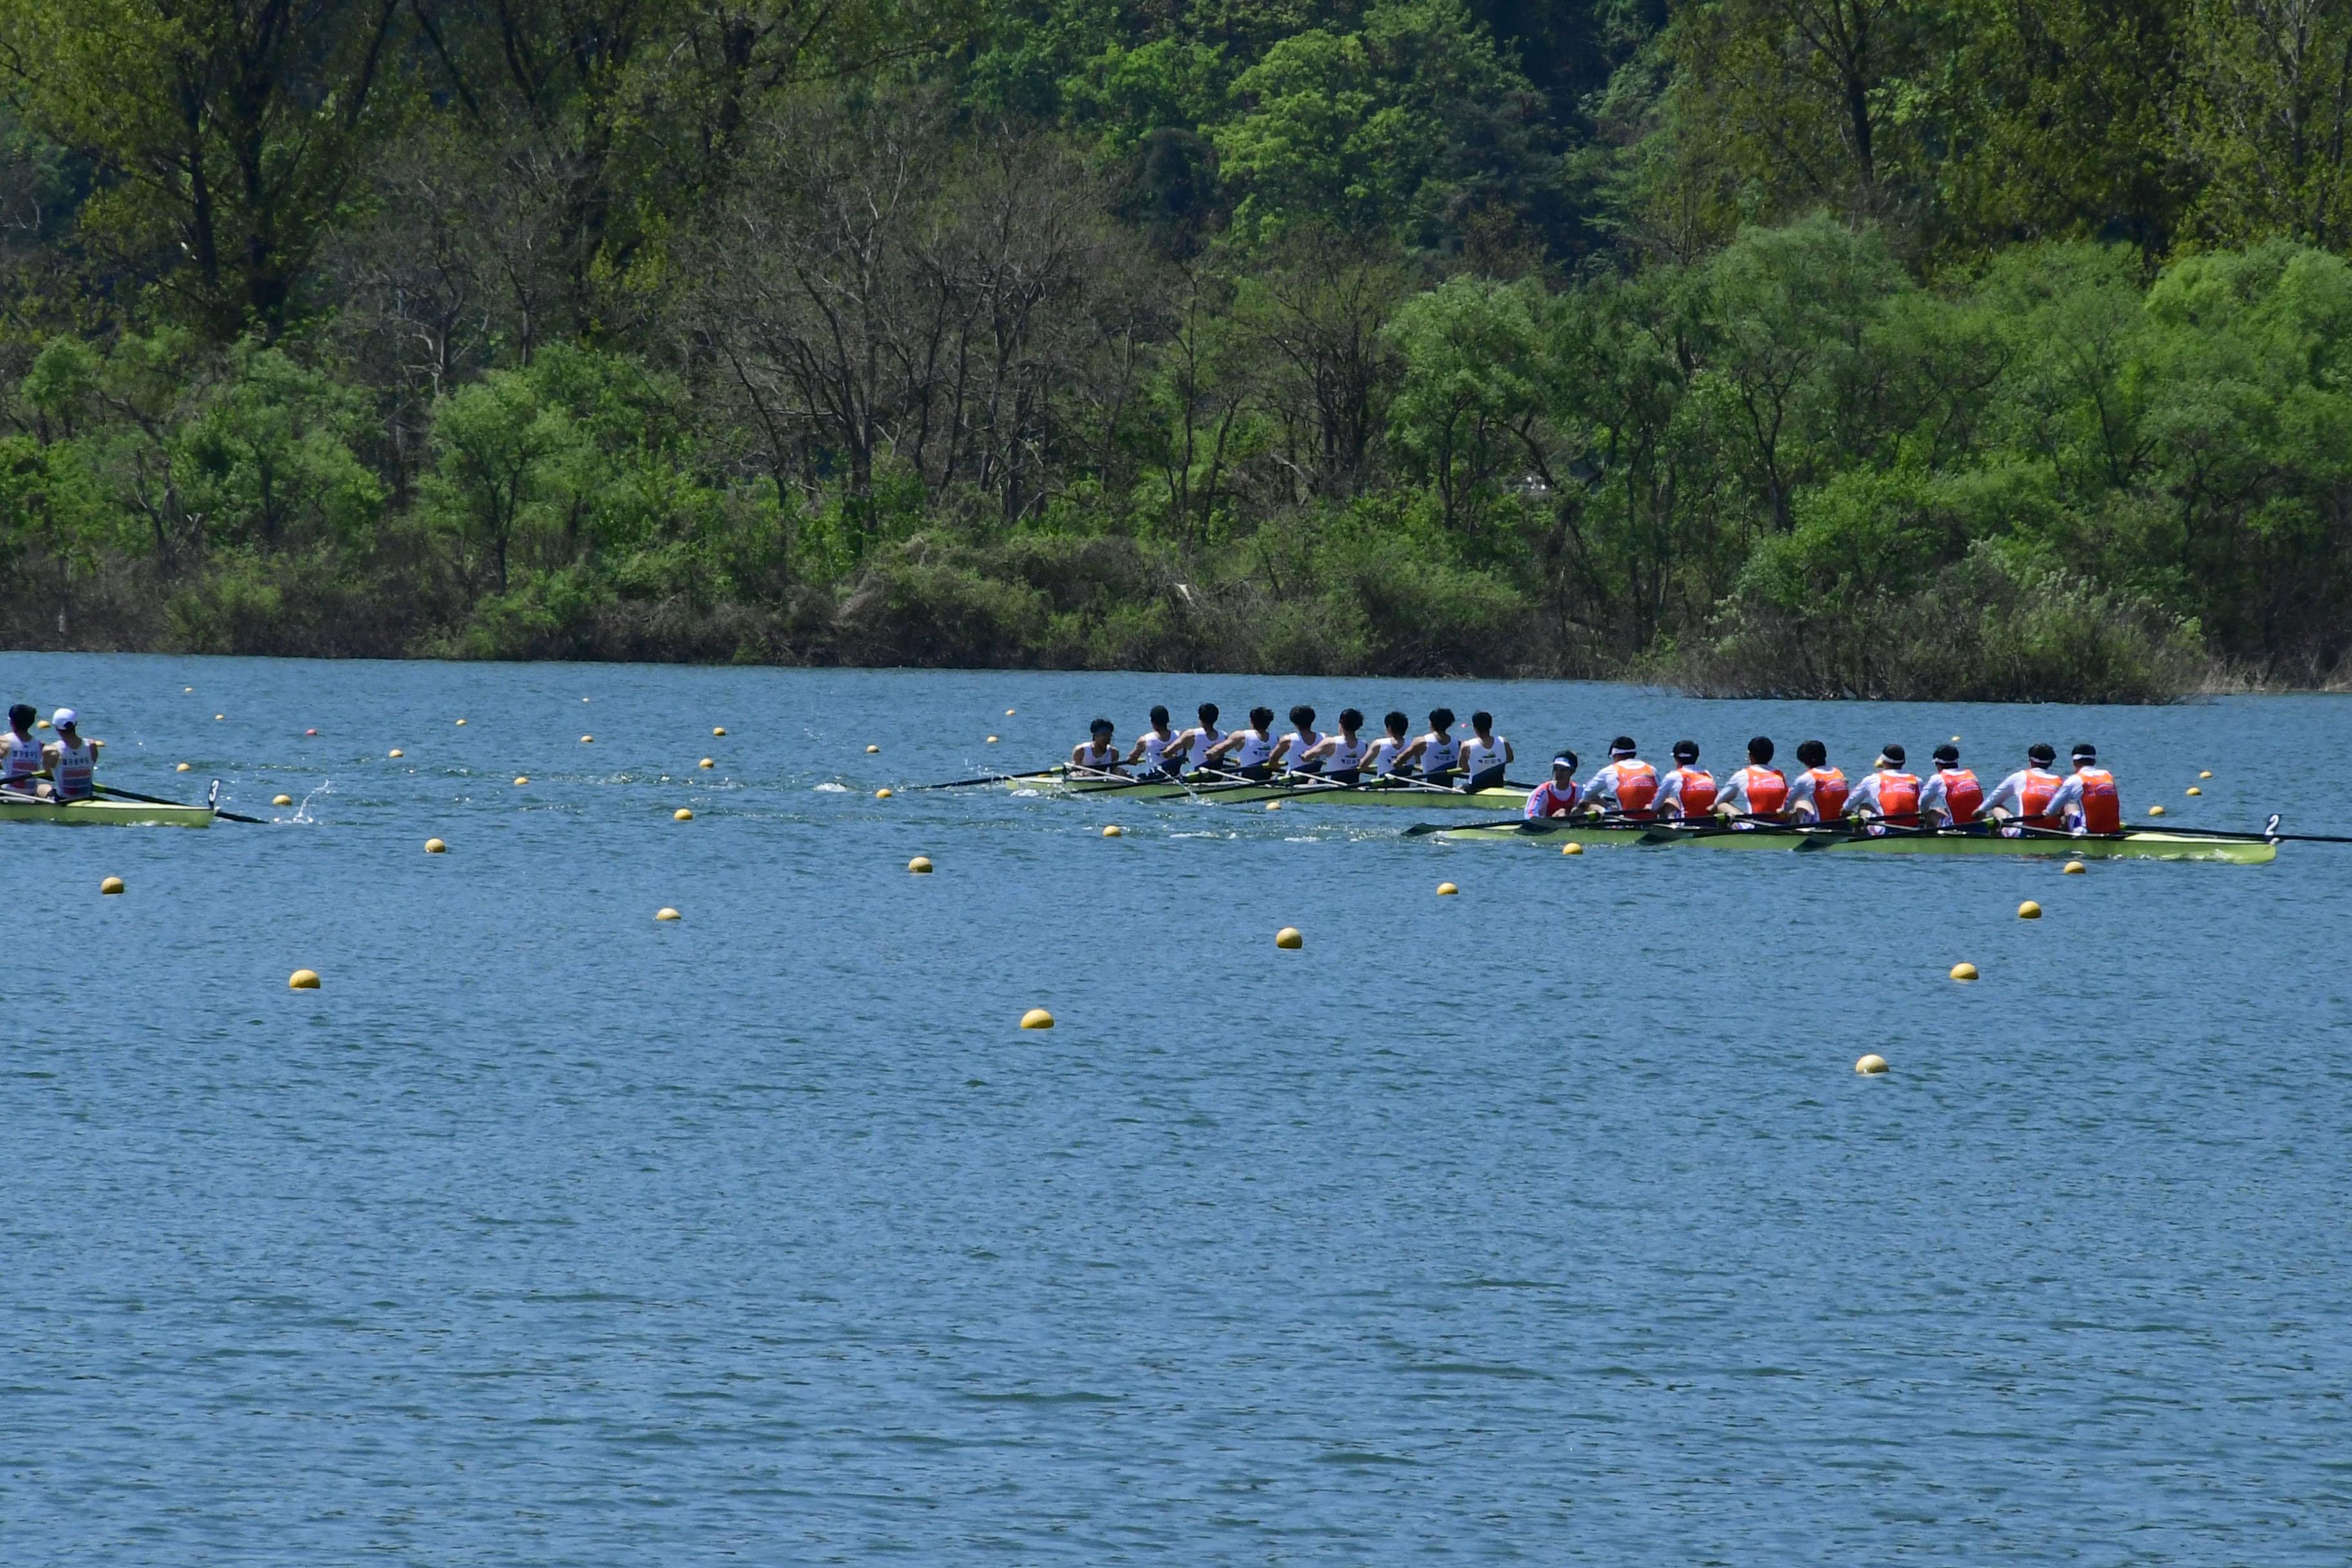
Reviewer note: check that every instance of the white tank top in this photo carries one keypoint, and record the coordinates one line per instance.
(24, 758)
(1198, 756)
(1439, 755)
(1345, 756)
(1154, 748)
(1091, 756)
(1477, 758)
(1252, 751)
(1300, 743)
(75, 765)
(1380, 757)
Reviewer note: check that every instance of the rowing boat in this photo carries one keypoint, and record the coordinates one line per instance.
(2132, 843)
(103, 813)
(1370, 792)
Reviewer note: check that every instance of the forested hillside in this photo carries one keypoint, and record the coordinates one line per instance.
(1891, 347)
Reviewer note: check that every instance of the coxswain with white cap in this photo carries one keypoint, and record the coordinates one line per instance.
(1626, 785)
(72, 759)
(1687, 790)
(1759, 791)
(1152, 747)
(2087, 801)
(1556, 795)
(1252, 749)
(1340, 757)
(1099, 753)
(1950, 797)
(1291, 751)
(1819, 794)
(20, 767)
(2022, 799)
(1887, 795)
(1485, 756)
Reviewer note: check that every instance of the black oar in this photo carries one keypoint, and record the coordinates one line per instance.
(983, 779)
(2269, 831)
(158, 800)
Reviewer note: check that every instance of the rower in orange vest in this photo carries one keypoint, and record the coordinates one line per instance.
(1887, 795)
(1950, 797)
(2087, 801)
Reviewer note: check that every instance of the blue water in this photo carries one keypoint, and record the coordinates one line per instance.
(1549, 1223)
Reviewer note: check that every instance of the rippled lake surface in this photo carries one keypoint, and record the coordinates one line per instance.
(1549, 1223)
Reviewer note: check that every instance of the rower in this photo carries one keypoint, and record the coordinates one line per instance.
(2086, 802)
(1099, 753)
(1251, 749)
(1556, 795)
(1151, 746)
(1340, 757)
(1485, 756)
(1819, 794)
(1625, 786)
(24, 756)
(1437, 752)
(72, 759)
(1688, 789)
(1290, 753)
(1381, 757)
(1759, 791)
(1888, 796)
(1191, 748)
(1950, 797)
(2022, 799)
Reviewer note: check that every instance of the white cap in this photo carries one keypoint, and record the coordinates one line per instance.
(64, 718)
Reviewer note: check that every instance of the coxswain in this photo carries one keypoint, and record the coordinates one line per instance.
(1381, 757)
(1687, 790)
(1252, 749)
(2086, 801)
(2022, 799)
(1556, 795)
(1486, 757)
(72, 759)
(1759, 792)
(1819, 794)
(1190, 748)
(1151, 750)
(1625, 786)
(1099, 753)
(1340, 757)
(1436, 754)
(1290, 753)
(21, 765)
(1887, 796)
(1950, 797)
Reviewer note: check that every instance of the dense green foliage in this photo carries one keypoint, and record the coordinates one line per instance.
(1898, 347)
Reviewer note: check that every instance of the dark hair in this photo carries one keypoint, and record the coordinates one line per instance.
(1302, 716)
(1891, 752)
(1947, 753)
(1261, 717)
(1622, 744)
(1159, 713)
(1208, 712)
(1350, 719)
(1760, 749)
(1100, 725)
(1481, 720)
(1396, 724)
(1686, 750)
(2087, 750)
(2042, 752)
(1812, 753)
(22, 715)
(1441, 718)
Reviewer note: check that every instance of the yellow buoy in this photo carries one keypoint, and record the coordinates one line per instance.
(1114, 831)
(40, 724)
(2194, 790)
(188, 688)
(881, 795)
(991, 740)
(2206, 774)
(2074, 867)
(282, 800)
(522, 779)
(218, 717)
(302, 980)
(1572, 849)
(461, 722)
(1288, 937)
(181, 769)
(2029, 910)
(706, 762)
(1964, 972)
(1871, 1066)
(434, 846)
(1273, 805)
(873, 751)
(719, 728)
(1446, 890)
(395, 751)
(111, 885)
(1036, 1018)
(2156, 811)
(587, 740)
(1008, 713)
(666, 913)
(921, 865)
(681, 815)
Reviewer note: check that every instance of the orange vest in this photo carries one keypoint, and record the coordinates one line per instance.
(1963, 796)
(2102, 812)
(1898, 798)
(1698, 791)
(1828, 793)
(2033, 793)
(1767, 792)
(1637, 786)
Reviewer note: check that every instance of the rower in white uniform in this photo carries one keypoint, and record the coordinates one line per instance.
(20, 767)
(72, 759)
(1252, 749)
(1099, 753)
(1380, 756)
(1190, 751)
(1291, 754)
(1436, 754)
(1339, 757)
(1151, 750)
(1485, 755)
